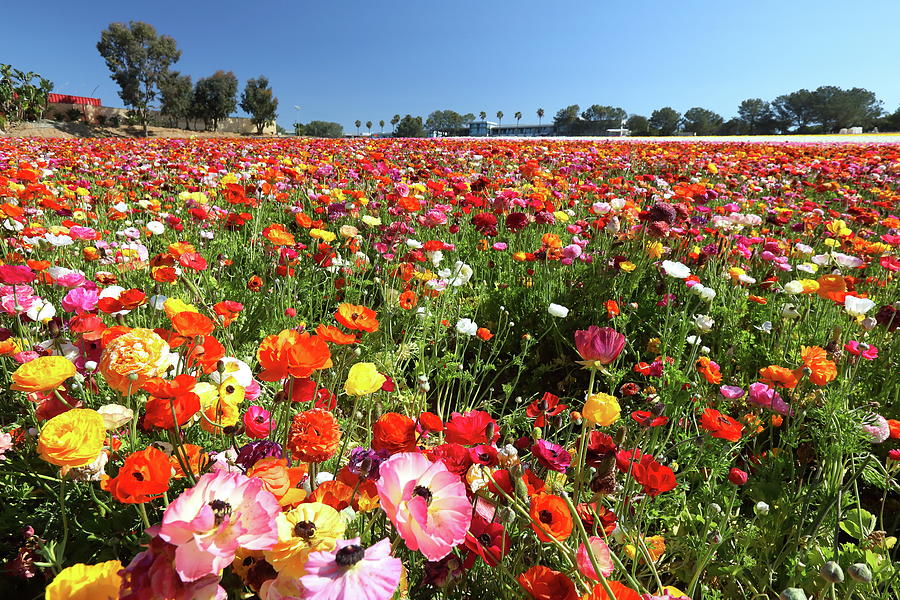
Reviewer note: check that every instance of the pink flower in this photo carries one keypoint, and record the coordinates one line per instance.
(351, 572)
(81, 300)
(425, 502)
(6, 443)
(876, 427)
(598, 345)
(765, 396)
(210, 521)
(731, 391)
(552, 456)
(258, 422)
(865, 350)
(601, 554)
(16, 274)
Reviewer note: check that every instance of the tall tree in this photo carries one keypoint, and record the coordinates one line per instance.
(500, 117)
(797, 110)
(701, 121)
(638, 125)
(137, 58)
(446, 121)
(665, 121)
(518, 116)
(215, 97)
(566, 119)
(381, 124)
(369, 126)
(323, 129)
(598, 119)
(259, 102)
(540, 115)
(177, 95)
(410, 127)
(482, 115)
(394, 120)
(357, 123)
(756, 117)
(837, 108)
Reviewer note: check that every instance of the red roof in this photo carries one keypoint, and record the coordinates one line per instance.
(67, 99)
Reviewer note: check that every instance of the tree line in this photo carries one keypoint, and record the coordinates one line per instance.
(140, 62)
(23, 96)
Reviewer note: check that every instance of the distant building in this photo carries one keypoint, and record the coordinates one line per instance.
(489, 128)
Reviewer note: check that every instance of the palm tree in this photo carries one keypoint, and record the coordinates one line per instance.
(518, 116)
(394, 120)
(540, 114)
(381, 123)
(369, 126)
(500, 117)
(483, 115)
(357, 123)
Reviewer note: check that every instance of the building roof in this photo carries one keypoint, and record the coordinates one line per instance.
(67, 99)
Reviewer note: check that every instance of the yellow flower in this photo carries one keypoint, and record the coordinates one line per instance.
(371, 221)
(601, 409)
(838, 228)
(363, 379)
(73, 438)
(42, 374)
(810, 286)
(131, 359)
(630, 551)
(173, 306)
(627, 266)
(656, 546)
(561, 216)
(311, 527)
(321, 234)
(654, 250)
(712, 169)
(86, 582)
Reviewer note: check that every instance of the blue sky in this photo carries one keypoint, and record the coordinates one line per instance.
(344, 60)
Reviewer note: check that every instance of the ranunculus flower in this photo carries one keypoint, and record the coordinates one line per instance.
(557, 310)
(15, 274)
(598, 346)
(210, 521)
(543, 583)
(292, 353)
(258, 422)
(311, 527)
(144, 476)
(133, 358)
(601, 555)
(42, 374)
(601, 409)
(552, 456)
(363, 379)
(86, 582)
(765, 396)
(73, 438)
(352, 572)
(393, 433)
(425, 502)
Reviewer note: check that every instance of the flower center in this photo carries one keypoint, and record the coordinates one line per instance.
(305, 529)
(424, 492)
(138, 476)
(221, 510)
(349, 555)
(485, 539)
(546, 517)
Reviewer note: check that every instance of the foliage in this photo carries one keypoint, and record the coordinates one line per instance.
(23, 96)
(701, 121)
(448, 121)
(665, 121)
(138, 59)
(259, 102)
(215, 98)
(410, 127)
(177, 97)
(320, 129)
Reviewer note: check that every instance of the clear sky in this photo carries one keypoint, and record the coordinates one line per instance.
(342, 60)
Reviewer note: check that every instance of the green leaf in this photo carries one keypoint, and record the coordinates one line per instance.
(858, 523)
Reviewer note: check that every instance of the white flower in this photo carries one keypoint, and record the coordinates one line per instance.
(414, 244)
(845, 260)
(238, 369)
(676, 269)
(460, 275)
(857, 307)
(703, 322)
(41, 311)
(807, 268)
(761, 508)
(694, 340)
(467, 327)
(706, 293)
(115, 415)
(558, 310)
(788, 311)
(435, 257)
(744, 278)
(803, 249)
(58, 240)
(156, 228)
(157, 302)
(793, 287)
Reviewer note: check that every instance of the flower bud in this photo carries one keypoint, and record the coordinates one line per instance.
(860, 572)
(832, 572)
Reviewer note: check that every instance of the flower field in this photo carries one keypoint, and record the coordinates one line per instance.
(374, 369)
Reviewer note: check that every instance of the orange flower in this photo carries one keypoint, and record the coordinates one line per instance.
(721, 426)
(195, 458)
(484, 333)
(335, 335)
(255, 283)
(352, 316)
(171, 401)
(191, 324)
(774, 375)
(278, 235)
(292, 353)
(276, 476)
(228, 310)
(132, 358)
(612, 309)
(620, 591)
(144, 476)
(822, 370)
(335, 494)
(543, 583)
(314, 435)
(709, 370)
(365, 498)
(832, 287)
(550, 514)
(408, 300)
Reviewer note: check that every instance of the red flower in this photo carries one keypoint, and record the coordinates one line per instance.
(430, 422)
(543, 583)
(471, 428)
(171, 397)
(547, 406)
(454, 456)
(721, 426)
(192, 260)
(737, 477)
(648, 419)
(144, 476)
(393, 433)
(654, 477)
(596, 515)
(487, 540)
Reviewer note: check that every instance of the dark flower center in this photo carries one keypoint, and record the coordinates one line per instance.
(138, 476)
(424, 492)
(485, 539)
(546, 517)
(305, 529)
(221, 510)
(349, 555)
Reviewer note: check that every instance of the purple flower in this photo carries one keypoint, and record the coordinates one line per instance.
(257, 450)
(598, 345)
(365, 463)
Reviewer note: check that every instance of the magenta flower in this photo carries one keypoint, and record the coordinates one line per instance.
(765, 396)
(258, 422)
(426, 503)
(552, 456)
(210, 521)
(352, 572)
(732, 392)
(861, 349)
(81, 300)
(598, 345)
(16, 274)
